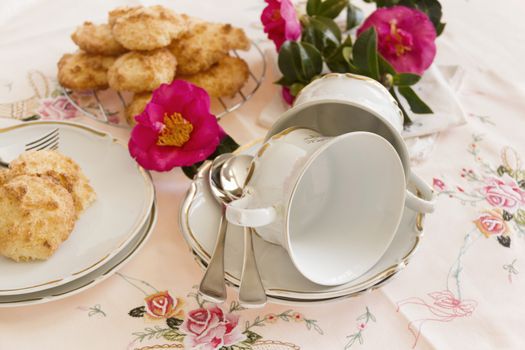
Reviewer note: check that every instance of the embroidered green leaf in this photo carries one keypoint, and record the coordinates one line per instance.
(251, 337)
(173, 322)
(502, 170)
(138, 312)
(504, 241)
(507, 216)
(519, 217)
(150, 333)
(173, 335)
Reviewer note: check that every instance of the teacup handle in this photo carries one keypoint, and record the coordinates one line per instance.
(419, 204)
(239, 213)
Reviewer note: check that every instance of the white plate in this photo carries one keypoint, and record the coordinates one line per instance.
(281, 279)
(125, 195)
(91, 279)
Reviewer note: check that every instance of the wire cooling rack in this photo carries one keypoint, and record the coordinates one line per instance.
(108, 106)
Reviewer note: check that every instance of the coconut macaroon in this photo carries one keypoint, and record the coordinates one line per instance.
(83, 71)
(142, 71)
(136, 106)
(97, 39)
(118, 12)
(147, 28)
(36, 215)
(205, 44)
(224, 78)
(59, 167)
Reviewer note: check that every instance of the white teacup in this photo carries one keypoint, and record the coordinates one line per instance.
(334, 203)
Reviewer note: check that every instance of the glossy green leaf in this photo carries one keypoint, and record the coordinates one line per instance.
(299, 61)
(365, 54)
(406, 79)
(385, 66)
(431, 7)
(416, 104)
(353, 16)
(323, 33)
(340, 60)
(312, 7)
(296, 88)
(406, 118)
(331, 8)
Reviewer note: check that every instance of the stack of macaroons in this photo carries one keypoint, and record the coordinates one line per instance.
(141, 48)
(42, 194)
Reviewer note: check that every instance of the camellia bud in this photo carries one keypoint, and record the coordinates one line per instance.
(387, 80)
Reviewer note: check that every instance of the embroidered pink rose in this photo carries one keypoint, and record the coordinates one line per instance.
(162, 305)
(438, 184)
(503, 193)
(491, 223)
(406, 37)
(56, 108)
(451, 306)
(211, 329)
(280, 22)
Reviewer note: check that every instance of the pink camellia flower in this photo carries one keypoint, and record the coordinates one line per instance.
(491, 223)
(406, 37)
(280, 22)
(175, 129)
(211, 329)
(503, 193)
(56, 108)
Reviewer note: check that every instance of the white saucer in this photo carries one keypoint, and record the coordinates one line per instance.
(199, 218)
(125, 195)
(91, 279)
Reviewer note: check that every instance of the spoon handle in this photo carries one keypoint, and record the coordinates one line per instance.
(251, 291)
(212, 286)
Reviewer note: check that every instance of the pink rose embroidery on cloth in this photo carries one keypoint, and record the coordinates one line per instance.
(211, 329)
(438, 184)
(405, 37)
(56, 108)
(492, 223)
(280, 22)
(444, 307)
(503, 193)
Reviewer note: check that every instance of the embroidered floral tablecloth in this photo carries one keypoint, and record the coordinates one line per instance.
(462, 290)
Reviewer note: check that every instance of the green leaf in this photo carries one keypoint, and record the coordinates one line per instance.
(227, 145)
(406, 79)
(353, 16)
(312, 7)
(385, 66)
(416, 104)
(174, 323)
(365, 53)
(331, 8)
(340, 60)
(406, 118)
(431, 7)
(296, 88)
(137, 312)
(323, 33)
(251, 337)
(299, 62)
(173, 335)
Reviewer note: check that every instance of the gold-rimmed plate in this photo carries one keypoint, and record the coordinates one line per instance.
(281, 279)
(125, 195)
(91, 279)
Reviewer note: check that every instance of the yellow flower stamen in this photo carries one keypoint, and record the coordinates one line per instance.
(398, 40)
(176, 131)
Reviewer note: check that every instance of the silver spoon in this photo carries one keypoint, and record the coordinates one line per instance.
(234, 174)
(212, 286)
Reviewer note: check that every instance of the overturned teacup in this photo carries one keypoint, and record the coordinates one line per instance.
(334, 203)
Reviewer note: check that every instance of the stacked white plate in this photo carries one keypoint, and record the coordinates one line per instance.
(106, 235)
(284, 284)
